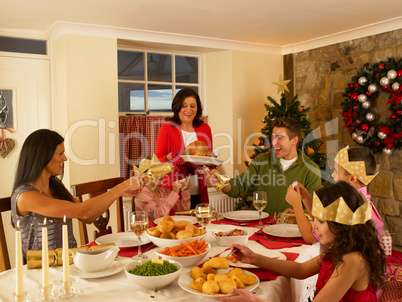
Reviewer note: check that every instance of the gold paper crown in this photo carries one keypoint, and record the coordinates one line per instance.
(357, 168)
(152, 167)
(338, 211)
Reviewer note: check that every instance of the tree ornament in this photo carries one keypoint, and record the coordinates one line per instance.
(391, 74)
(395, 86)
(354, 135)
(381, 135)
(358, 121)
(387, 151)
(359, 139)
(364, 127)
(370, 116)
(355, 97)
(307, 118)
(282, 85)
(376, 144)
(381, 66)
(399, 112)
(368, 93)
(384, 81)
(362, 81)
(372, 88)
(300, 109)
(399, 73)
(366, 105)
(362, 98)
(310, 151)
(355, 85)
(393, 116)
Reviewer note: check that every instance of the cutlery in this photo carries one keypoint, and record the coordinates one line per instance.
(148, 248)
(234, 250)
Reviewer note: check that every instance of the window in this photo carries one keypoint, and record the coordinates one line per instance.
(149, 85)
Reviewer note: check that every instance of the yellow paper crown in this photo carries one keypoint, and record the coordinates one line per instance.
(357, 168)
(152, 167)
(338, 211)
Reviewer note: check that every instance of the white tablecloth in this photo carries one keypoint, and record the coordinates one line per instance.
(118, 288)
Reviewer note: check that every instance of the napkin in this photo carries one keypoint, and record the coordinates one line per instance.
(274, 245)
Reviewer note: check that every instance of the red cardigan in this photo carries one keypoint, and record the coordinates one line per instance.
(170, 140)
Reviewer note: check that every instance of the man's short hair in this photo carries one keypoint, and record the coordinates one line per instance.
(363, 154)
(292, 126)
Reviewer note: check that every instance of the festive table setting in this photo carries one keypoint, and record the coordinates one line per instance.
(112, 283)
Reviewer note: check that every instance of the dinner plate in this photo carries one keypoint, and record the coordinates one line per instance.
(190, 219)
(185, 283)
(244, 215)
(282, 230)
(262, 250)
(114, 268)
(123, 240)
(201, 160)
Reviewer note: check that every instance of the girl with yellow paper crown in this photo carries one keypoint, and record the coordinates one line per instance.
(353, 266)
(156, 200)
(357, 167)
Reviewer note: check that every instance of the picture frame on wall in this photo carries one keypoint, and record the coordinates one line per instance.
(8, 108)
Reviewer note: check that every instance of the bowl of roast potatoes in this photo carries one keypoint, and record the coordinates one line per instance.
(169, 232)
(216, 278)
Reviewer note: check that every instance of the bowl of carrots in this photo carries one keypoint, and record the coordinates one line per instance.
(187, 254)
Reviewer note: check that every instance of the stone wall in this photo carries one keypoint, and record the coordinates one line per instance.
(320, 78)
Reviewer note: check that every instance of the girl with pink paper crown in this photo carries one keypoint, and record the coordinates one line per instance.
(351, 269)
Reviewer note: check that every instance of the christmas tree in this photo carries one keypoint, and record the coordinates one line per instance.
(309, 144)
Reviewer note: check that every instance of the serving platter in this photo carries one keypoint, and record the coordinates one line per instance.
(201, 160)
(114, 268)
(185, 283)
(282, 230)
(244, 215)
(190, 219)
(123, 240)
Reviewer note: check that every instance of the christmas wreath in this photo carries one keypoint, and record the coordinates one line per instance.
(361, 95)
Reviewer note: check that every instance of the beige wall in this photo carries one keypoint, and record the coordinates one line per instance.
(237, 86)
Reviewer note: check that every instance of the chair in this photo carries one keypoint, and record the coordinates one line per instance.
(95, 188)
(5, 205)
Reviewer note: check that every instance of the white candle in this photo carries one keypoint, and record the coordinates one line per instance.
(66, 255)
(18, 262)
(45, 257)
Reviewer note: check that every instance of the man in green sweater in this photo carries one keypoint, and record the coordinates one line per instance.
(274, 171)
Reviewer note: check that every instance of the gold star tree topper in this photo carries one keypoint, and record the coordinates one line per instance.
(282, 85)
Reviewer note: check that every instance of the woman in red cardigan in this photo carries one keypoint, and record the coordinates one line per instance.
(177, 133)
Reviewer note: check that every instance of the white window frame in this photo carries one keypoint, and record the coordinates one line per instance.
(173, 84)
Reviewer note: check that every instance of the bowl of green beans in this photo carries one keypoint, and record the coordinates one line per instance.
(147, 274)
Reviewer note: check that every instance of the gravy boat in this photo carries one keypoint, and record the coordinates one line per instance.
(95, 260)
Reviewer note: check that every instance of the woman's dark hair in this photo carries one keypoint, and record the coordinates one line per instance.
(362, 238)
(177, 104)
(36, 152)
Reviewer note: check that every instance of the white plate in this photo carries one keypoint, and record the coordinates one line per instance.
(190, 219)
(244, 215)
(282, 230)
(201, 160)
(114, 268)
(185, 283)
(259, 250)
(122, 240)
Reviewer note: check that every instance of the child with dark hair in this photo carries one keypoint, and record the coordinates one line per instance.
(353, 266)
(357, 167)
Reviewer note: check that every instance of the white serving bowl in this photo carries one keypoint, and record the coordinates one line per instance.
(161, 242)
(229, 240)
(151, 282)
(184, 261)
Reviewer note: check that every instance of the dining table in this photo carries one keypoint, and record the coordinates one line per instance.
(117, 287)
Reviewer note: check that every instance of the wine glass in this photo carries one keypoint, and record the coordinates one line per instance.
(259, 202)
(139, 225)
(204, 213)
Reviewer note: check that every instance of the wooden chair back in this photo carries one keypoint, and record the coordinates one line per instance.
(93, 189)
(5, 205)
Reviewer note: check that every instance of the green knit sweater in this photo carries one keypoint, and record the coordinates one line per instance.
(265, 174)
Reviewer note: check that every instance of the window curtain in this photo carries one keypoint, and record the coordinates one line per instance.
(137, 139)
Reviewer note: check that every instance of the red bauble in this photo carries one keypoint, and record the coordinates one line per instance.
(368, 144)
(368, 93)
(399, 73)
(364, 127)
(358, 121)
(355, 107)
(399, 112)
(377, 144)
(356, 85)
(351, 86)
(350, 131)
(349, 94)
(393, 116)
(381, 66)
(355, 97)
